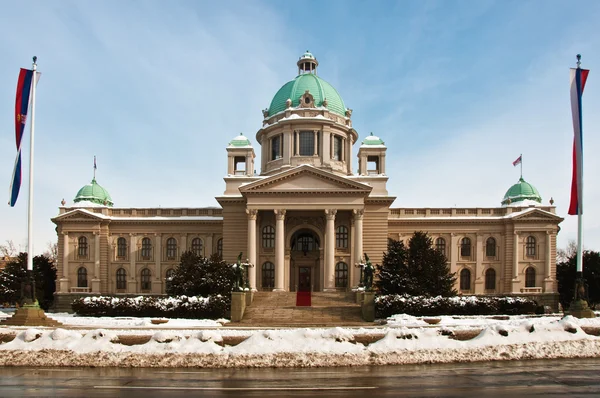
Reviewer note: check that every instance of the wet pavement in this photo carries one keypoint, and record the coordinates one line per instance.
(573, 378)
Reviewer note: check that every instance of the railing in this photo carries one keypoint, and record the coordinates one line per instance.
(80, 289)
(531, 290)
(460, 212)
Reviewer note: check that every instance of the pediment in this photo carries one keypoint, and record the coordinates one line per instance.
(306, 180)
(536, 215)
(78, 215)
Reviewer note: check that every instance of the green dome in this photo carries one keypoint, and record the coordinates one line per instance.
(240, 141)
(316, 86)
(94, 193)
(521, 192)
(372, 140)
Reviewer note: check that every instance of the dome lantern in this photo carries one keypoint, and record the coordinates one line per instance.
(307, 63)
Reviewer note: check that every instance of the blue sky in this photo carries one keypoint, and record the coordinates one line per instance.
(156, 89)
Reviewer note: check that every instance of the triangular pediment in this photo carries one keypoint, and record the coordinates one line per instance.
(536, 215)
(78, 215)
(306, 179)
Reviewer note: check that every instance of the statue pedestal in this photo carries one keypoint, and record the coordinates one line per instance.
(580, 309)
(238, 306)
(368, 306)
(30, 315)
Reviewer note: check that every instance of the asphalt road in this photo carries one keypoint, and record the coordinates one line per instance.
(573, 378)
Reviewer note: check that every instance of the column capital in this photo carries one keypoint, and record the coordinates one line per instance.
(65, 233)
(330, 214)
(252, 213)
(279, 214)
(132, 234)
(358, 213)
(548, 232)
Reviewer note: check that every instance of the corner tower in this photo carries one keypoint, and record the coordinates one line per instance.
(307, 122)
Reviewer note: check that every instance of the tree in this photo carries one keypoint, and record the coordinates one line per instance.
(563, 255)
(8, 249)
(419, 270)
(199, 276)
(15, 273)
(52, 251)
(565, 275)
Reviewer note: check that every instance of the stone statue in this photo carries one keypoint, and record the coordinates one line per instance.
(238, 273)
(368, 273)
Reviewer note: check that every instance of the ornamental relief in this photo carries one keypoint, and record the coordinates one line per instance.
(317, 222)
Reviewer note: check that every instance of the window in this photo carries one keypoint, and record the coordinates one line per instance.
(268, 275)
(146, 280)
(220, 247)
(171, 248)
(82, 277)
(372, 165)
(82, 247)
(239, 165)
(169, 279)
(341, 237)
(121, 248)
(490, 279)
(121, 279)
(490, 247)
(341, 275)
(465, 247)
(146, 249)
(197, 247)
(465, 279)
(307, 143)
(276, 147)
(305, 241)
(337, 148)
(268, 237)
(530, 277)
(440, 245)
(530, 246)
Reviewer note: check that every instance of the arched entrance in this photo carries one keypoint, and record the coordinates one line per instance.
(305, 260)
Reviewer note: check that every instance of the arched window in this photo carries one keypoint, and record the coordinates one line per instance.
(121, 248)
(268, 237)
(169, 278)
(465, 279)
(220, 247)
(465, 247)
(490, 247)
(82, 277)
(530, 277)
(146, 280)
(530, 246)
(82, 247)
(305, 241)
(341, 237)
(268, 275)
(146, 248)
(121, 279)
(171, 248)
(440, 245)
(341, 274)
(490, 279)
(197, 247)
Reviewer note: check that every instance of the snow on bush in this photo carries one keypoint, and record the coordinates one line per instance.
(212, 307)
(209, 335)
(30, 335)
(389, 305)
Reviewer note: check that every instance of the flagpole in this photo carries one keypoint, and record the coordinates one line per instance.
(521, 166)
(30, 205)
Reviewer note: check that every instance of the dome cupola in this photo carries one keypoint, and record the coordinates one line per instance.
(522, 194)
(94, 194)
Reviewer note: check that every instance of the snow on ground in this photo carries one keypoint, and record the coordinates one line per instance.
(88, 341)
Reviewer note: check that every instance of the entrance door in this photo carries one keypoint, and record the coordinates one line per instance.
(304, 279)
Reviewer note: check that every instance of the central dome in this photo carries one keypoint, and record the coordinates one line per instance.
(93, 193)
(308, 81)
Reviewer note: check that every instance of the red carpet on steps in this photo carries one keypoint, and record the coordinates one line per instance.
(303, 299)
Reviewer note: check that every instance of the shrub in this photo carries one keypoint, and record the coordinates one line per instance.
(212, 307)
(389, 305)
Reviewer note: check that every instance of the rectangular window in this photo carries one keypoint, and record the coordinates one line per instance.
(337, 148)
(276, 147)
(307, 143)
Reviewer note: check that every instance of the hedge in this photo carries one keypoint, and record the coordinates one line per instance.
(389, 305)
(212, 307)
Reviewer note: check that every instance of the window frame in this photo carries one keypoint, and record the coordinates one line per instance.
(341, 237)
(530, 276)
(82, 247)
(465, 279)
(440, 244)
(341, 275)
(220, 247)
(121, 248)
(267, 271)
(145, 280)
(197, 247)
(146, 251)
(276, 147)
(306, 143)
(490, 247)
(121, 278)
(171, 248)
(82, 280)
(465, 247)
(268, 237)
(490, 279)
(530, 246)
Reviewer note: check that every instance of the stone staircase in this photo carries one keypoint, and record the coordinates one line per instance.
(273, 309)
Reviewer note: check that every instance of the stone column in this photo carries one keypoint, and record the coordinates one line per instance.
(279, 250)
(479, 253)
(453, 252)
(548, 281)
(64, 281)
(251, 251)
(183, 244)
(358, 240)
(297, 142)
(157, 282)
(131, 282)
(516, 284)
(329, 284)
(315, 141)
(96, 279)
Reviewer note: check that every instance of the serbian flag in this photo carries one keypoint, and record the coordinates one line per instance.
(21, 106)
(518, 161)
(578, 79)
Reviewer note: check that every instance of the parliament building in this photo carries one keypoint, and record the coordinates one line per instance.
(306, 220)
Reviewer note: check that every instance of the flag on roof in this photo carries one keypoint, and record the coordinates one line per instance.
(518, 161)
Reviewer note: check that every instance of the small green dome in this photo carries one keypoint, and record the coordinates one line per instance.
(94, 193)
(372, 140)
(521, 192)
(240, 141)
(317, 87)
